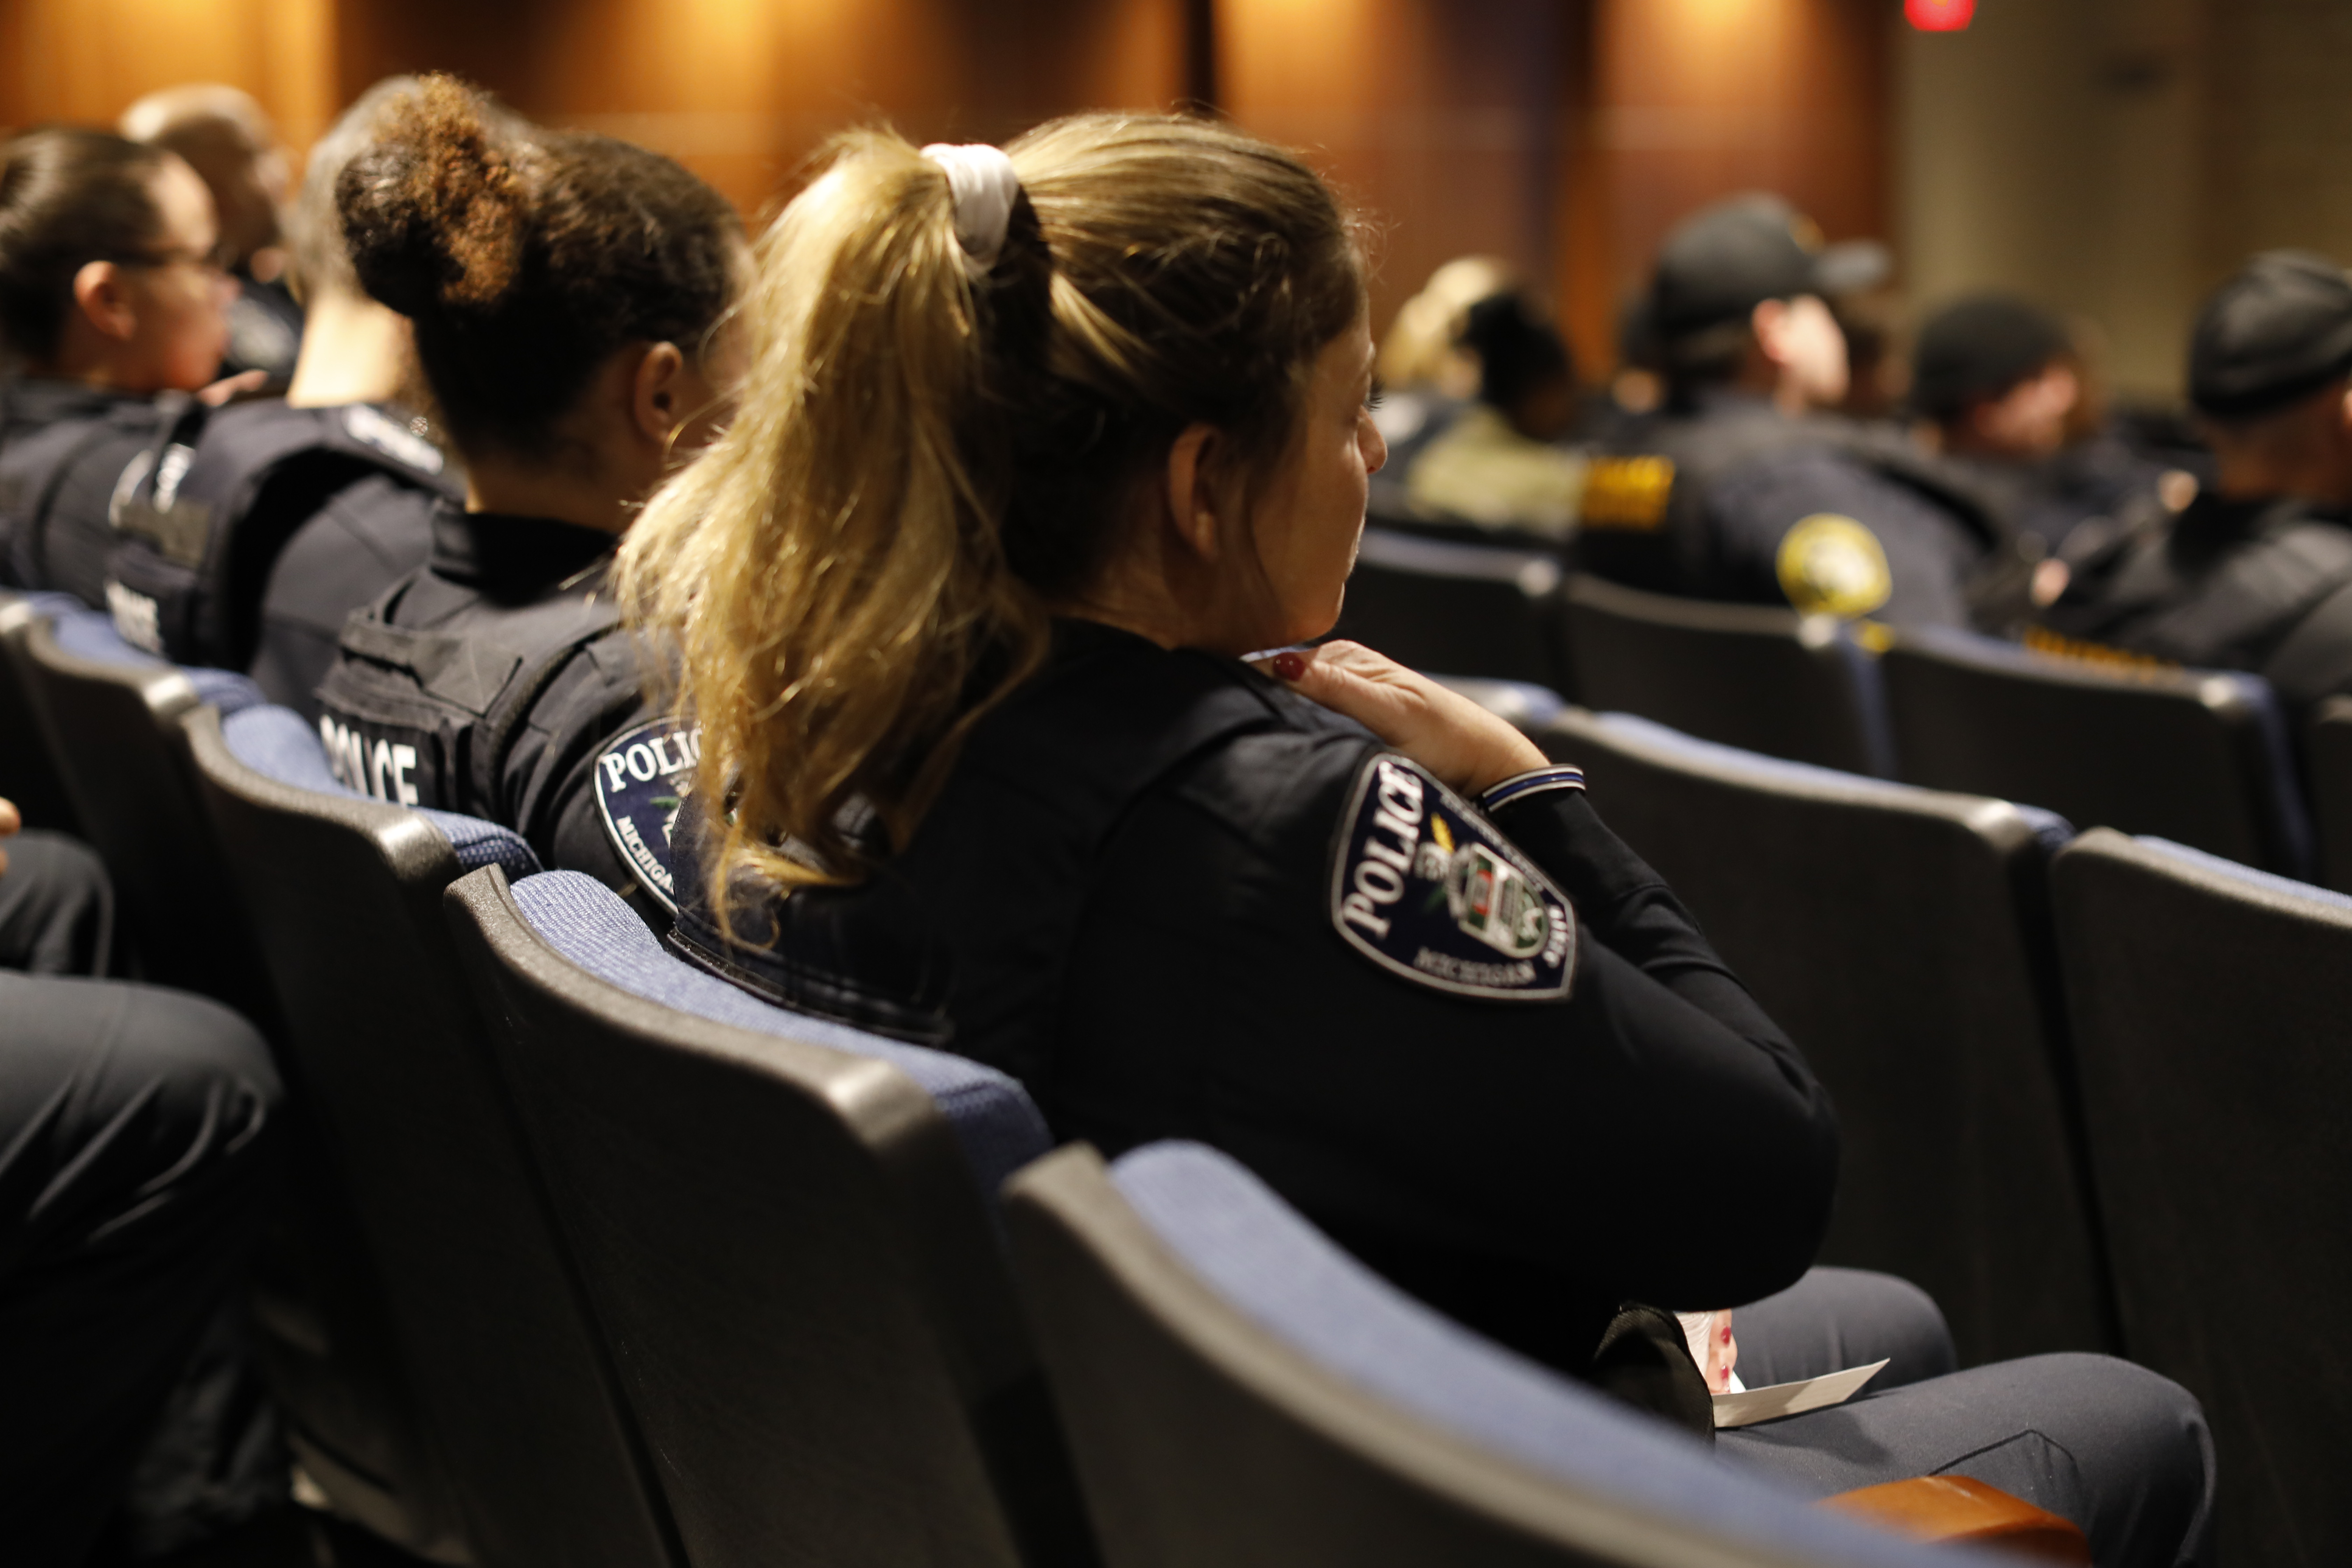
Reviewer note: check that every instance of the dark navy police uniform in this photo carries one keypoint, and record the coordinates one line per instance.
(1479, 1041)
(2258, 585)
(1725, 497)
(498, 682)
(69, 455)
(262, 525)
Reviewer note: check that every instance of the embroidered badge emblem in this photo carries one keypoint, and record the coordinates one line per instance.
(642, 778)
(1423, 885)
(1832, 565)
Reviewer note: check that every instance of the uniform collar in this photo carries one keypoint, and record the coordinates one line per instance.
(2216, 518)
(513, 557)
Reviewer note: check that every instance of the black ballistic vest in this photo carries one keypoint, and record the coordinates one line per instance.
(65, 452)
(205, 518)
(422, 717)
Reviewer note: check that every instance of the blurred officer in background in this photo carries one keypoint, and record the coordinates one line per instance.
(273, 519)
(2000, 385)
(2256, 573)
(1427, 373)
(226, 138)
(1499, 464)
(1741, 486)
(112, 292)
(137, 1165)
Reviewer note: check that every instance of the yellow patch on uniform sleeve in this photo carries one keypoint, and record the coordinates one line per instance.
(1830, 564)
(1627, 493)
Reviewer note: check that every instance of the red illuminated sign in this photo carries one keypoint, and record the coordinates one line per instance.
(1940, 15)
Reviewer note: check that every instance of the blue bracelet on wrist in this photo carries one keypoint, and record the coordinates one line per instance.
(1537, 781)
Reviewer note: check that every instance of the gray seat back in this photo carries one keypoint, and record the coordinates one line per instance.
(28, 774)
(1752, 676)
(1456, 608)
(1901, 937)
(1244, 1395)
(2197, 756)
(521, 1404)
(2328, 768)
(785, 1228)
(2212, 1012)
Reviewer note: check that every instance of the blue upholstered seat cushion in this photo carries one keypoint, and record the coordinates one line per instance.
(2246, 876)
(276, 743)
(996, 1124)
(2051, 830)
(1285, 1276)
(85, 634)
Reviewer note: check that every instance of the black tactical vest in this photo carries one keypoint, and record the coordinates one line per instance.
(421, 716)
(203, 523)
(68, 454)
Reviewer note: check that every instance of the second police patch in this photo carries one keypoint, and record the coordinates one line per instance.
(1423, 885)
(642, 777)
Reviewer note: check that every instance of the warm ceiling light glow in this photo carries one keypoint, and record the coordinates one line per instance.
(1940, 15)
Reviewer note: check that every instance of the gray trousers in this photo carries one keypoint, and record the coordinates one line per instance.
(2117, 1449)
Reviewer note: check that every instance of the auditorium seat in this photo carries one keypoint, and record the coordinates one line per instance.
(2211, 1004)
(111, 714)
(115, 718)
(1768, 679)
(1241, 1392)
(2327, 765)
(523, 1406)
(29, 774)
(1458, 609)
(786, 1228)
(1901, 937)
(2197, 756)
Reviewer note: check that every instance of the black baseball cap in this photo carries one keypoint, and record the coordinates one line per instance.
(1980, 347)
(1722, 261)
(2278, 331)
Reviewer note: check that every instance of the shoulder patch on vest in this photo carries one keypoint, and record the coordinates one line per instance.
(1628, 493)
(1832, 565)
(371, 427)
(643, 776)
(1423, 885)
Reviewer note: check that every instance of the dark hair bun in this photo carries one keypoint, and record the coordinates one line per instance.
(434, 211)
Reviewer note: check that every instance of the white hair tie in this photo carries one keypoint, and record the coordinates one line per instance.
(986, 185)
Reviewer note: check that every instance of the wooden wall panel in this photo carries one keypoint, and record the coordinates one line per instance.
(1441, 120)
(743, 91)
(86, 60)
(1680, 102)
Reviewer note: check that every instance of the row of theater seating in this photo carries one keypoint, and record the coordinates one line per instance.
(652, 1273)
(2200, 757)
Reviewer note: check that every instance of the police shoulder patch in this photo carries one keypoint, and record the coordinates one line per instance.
(1423, 885)
(1833, 565)
(643, 776)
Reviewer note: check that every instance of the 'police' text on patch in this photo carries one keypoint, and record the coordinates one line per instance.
(1423, 885)
(642, 778)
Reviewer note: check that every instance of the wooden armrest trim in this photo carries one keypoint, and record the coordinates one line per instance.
(1957, 1511)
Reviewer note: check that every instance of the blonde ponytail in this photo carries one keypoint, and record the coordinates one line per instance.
(925, 462)
(830, 569)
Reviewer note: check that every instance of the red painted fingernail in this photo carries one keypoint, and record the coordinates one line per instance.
(1290, 666)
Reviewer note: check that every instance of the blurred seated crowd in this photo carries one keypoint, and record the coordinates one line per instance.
(915, 614)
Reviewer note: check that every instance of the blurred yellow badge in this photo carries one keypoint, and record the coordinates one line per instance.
(1832, 565)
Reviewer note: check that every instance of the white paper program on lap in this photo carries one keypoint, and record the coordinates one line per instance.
(1750, 1406)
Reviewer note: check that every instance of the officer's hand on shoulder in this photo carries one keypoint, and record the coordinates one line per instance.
(1466, 747)
(9, 822)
